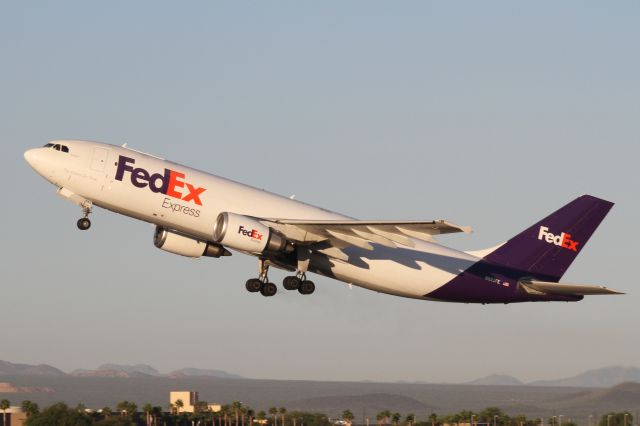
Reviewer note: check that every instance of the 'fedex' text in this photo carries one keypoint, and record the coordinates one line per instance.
(170, 183)
(563, 239)
(253, 233)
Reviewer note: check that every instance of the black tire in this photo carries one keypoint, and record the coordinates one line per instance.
(268, 289)
(253, 285)
(291, 283)
(307, 287)
(84, 224)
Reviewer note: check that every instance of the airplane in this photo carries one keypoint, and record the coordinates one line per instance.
(197, 214)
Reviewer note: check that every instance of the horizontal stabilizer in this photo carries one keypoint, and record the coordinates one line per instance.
(546, 287)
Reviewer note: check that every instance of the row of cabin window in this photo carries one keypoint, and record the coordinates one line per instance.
(57, 147)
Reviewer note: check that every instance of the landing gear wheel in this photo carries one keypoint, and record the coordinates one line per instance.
(253, 285)
(307, 287)
(268, 289)
(291, 283)
(84, 224)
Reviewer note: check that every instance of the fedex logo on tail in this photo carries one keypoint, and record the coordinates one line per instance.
(170, 182)
(563, 239)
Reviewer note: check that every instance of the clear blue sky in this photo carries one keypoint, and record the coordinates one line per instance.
(490, 114)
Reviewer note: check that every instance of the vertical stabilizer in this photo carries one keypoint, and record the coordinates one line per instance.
(548, 248)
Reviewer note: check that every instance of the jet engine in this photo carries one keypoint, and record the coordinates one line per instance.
(186, 246)
(248, 234)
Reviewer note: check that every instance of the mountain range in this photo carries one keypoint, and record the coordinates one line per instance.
(601, 377)
(109, 370)
(598, 378)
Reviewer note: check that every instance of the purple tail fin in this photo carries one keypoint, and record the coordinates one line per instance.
(548, 248)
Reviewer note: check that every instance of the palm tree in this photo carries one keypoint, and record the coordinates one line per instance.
(147, 408)
(30, 408)
(282, 412)
(273, 411)
(395, 418)
(380, 417)
(348, 417)
(157, 411)
(4, 406)
(411, 418)
(251, 414)
(179, 405)
(433, 417)
(225, 410)
(261, 416)
(237, 405)
(243, 414)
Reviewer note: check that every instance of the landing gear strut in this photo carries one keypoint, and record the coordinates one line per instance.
(262, 284)
(84, 223)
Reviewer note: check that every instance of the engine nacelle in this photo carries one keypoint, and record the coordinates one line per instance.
(247, 234)
(186, 246)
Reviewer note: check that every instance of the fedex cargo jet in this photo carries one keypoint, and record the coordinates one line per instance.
(198, 214)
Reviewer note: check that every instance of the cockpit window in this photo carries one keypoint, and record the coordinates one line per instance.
(57, 147)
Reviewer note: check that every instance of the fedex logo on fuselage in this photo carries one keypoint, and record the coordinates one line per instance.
(252, 233)
(170, 183)
(563, 239)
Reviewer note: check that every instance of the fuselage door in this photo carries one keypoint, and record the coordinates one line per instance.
(99, 160)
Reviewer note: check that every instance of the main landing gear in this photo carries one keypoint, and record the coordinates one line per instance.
(299, 282)
(295, 282)
(262, 284)
(84, 223)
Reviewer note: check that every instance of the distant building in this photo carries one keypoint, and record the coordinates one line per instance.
(189, 400)
(15, 417)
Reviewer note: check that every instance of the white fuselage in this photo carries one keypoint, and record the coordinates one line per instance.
(89, 171)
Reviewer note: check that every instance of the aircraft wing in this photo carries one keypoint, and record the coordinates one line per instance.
(361, 233)
(545, 287)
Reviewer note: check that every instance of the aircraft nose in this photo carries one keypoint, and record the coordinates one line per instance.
(31, 157)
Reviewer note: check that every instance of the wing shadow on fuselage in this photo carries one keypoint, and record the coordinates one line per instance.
(407, 257)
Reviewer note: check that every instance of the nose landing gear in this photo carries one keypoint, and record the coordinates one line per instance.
(84, 223)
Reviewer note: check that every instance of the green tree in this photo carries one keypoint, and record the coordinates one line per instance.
(147, 408)
(274, 411)
(29, 408)
(380, 418)
(4, 406)
(106, 412)
(283, 412)
(59, 414)
(348, 417)
(156, 412)
(411, 418)
(237, 405)
(395, 418)
(493, 415)
(126, 409)
(434, 418)
(179, 404)
(520, 419)
(616, 419)
(261, 416)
